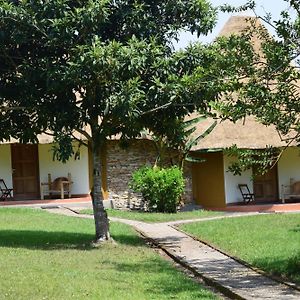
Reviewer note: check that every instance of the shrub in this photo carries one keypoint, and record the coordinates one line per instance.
(161, 188)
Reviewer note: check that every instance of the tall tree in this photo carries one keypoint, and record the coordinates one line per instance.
(102, 68)
(268, 86)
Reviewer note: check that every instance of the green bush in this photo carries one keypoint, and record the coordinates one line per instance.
(161, 188)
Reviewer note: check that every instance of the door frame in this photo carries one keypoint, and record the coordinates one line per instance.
(26, 196)
(276, 182)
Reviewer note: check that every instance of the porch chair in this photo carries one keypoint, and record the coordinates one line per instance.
(246, 194)
(60, 185)
(6, 193)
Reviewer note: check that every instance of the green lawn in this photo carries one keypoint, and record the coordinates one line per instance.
(47, 256)
(156, 217)
(269, 242)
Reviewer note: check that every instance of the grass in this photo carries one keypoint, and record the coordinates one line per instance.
(269, 242)
(47, 256)
(156, 217)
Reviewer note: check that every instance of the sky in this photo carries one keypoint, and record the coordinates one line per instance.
(262, 8)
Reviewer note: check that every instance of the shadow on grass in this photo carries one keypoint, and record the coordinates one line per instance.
(45, 240)
(56, 240)
(130, 240)
(288, 269)
(296, 229)
(162, 278)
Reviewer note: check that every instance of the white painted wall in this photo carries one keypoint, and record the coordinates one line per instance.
(288, 167)
(232, 192)
(5, 164)
(79, 169)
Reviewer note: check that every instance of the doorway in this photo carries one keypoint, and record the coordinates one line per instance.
(25, 171)
(266, 187)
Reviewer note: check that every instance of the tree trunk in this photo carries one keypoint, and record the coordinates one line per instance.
(100, 215)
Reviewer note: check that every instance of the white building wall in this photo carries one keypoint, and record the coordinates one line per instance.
(79, 169)
(5, 164)
(288, 167)
(232, 192)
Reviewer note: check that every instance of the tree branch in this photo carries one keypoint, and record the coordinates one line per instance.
(80, 141)
(7, 108)
(84, 133)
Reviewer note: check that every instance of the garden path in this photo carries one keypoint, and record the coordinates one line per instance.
(224, 273)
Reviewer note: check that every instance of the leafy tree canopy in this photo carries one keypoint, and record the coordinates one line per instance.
(65, 64)
(102, 68)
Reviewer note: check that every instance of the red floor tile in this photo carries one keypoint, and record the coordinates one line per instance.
(288, 207)
(47, 201)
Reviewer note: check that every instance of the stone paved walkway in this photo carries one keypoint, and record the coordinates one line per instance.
(235, 279)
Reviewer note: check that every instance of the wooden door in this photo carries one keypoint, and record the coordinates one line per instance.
(208, 180)
(25, 172)
(266, 187)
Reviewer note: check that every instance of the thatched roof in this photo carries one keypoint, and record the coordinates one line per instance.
(44, 139)
(238, 24)
(248, 133)
(245, 134)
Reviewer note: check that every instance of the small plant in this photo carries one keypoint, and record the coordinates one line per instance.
(161, 188)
